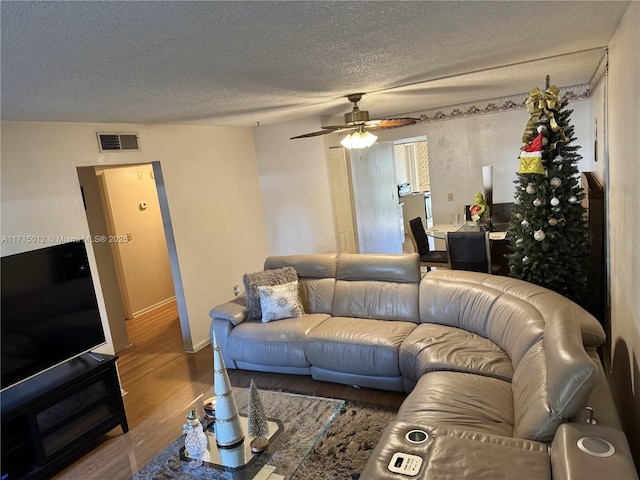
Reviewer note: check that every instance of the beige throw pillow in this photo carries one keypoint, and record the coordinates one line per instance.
(280, 301)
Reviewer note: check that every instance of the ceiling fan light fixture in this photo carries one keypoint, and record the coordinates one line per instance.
(359, 139)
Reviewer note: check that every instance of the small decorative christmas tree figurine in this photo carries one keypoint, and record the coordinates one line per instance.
(548, 232)
(257, 425)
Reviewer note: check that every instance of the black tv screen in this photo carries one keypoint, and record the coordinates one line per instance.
(49, 310)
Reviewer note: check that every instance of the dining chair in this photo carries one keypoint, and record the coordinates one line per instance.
(428, 258)
(470, 251)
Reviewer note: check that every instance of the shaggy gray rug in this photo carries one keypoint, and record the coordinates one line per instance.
(340, 454)
(343, 451)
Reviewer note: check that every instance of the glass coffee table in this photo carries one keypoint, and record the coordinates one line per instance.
(297, 422)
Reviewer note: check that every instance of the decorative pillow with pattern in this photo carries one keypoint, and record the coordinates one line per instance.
(276, 276)
(280, 301)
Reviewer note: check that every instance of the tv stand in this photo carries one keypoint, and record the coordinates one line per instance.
(96, 357)
(50, 419)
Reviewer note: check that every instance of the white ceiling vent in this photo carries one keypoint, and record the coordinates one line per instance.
(118, 142)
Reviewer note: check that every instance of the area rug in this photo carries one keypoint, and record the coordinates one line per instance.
(340, 454)
(347, 444)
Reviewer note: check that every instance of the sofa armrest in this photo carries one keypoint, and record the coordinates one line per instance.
(221, 329)
(568, 462)
(455, 453)
(234, 311)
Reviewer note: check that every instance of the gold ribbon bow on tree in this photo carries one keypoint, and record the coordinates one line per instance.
(539, 102)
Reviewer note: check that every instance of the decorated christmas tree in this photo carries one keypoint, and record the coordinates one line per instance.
(548, 232)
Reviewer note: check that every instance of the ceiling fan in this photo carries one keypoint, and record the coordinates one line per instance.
(357, 126)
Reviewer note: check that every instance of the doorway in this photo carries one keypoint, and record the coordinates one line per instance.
(412, 171)
(122, 207)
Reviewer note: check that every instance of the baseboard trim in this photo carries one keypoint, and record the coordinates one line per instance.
(155, 306)
(198, 346)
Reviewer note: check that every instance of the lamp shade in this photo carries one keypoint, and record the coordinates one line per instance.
(487, 181)
(487, 177)
(359, 139)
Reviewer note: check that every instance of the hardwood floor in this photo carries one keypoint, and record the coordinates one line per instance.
(162, 382)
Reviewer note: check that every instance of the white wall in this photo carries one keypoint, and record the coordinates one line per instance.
(623, 196)
(459, 148)
(293, 173)
(212, 187)
(295, 188)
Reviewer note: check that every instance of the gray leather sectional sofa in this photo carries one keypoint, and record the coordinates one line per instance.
(502, 375)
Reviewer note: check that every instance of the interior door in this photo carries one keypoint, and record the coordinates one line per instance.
(375, 199)
(341, 197)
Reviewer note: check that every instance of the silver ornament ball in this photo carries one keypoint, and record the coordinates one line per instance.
(555, 201)
(555, 182)
(539, 235)
(537, 202)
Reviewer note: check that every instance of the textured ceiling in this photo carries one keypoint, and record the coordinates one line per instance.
(238, 63)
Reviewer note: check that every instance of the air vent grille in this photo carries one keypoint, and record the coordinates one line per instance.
(117, 142)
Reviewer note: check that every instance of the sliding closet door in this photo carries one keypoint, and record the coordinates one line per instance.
(340, 184)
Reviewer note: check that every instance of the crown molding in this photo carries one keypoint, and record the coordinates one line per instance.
(493, 105)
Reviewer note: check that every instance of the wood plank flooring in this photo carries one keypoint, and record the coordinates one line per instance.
(162, 382)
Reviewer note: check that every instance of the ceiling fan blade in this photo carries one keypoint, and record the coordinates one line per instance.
(320, 132)
(358, 120)
(385, 123)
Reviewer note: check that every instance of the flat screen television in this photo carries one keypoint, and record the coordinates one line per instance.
(49, 310)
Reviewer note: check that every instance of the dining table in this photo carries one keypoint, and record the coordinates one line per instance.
(498, 241)
(440, 230)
